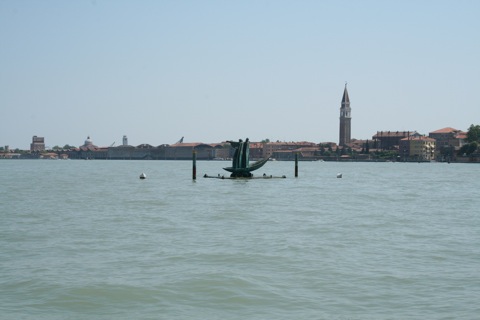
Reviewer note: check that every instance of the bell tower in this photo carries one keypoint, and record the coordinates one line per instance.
(345, 119)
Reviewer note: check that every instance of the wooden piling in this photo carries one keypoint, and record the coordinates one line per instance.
(194, 168)
(296, 164)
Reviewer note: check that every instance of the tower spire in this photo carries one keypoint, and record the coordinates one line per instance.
(345, 119)
(345, 98)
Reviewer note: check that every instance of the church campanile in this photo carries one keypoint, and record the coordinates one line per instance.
(345, 119)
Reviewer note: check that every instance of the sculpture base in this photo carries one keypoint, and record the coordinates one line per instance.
(241, 175)
(251, 177)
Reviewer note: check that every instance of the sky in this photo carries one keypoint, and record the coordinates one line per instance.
(212, 71)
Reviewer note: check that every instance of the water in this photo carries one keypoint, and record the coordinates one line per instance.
(90, 240)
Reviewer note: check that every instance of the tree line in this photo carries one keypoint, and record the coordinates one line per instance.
(473, 140)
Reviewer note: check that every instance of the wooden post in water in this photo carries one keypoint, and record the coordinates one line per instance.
(194, 169)
(296, 164)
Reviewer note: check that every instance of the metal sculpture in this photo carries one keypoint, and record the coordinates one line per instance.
(240, 162)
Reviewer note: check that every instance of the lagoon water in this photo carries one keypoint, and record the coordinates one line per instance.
(90, 240)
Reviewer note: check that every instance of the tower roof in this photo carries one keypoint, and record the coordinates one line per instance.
(345, 98)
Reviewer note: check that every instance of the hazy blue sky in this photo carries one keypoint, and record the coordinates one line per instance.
(159, 70)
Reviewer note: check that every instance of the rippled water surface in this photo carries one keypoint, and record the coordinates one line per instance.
(90, 240)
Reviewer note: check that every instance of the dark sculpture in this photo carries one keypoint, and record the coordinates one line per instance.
(240, 163)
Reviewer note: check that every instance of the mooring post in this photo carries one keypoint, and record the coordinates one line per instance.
(194, 169)
(296, 164)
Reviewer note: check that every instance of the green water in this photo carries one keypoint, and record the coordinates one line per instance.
(90, 240)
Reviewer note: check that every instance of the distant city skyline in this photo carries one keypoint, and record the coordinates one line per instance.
(212, 71)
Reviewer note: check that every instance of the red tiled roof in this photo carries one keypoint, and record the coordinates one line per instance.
(300, 143)
(186, 144)
(256, 145)
(445, 130)
(306, 149)
(393, 133)
(190, 145)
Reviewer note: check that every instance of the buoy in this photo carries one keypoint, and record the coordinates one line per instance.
(143, 176)
(339, 175)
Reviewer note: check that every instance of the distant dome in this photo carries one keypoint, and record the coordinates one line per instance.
(88, 142)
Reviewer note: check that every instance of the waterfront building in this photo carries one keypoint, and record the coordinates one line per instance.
(418, 148)
(89, 151)
(270, 148)
(303, 153)
(126, 152)
(345, 119)
(125, 141)
(49, 155)
(10, 155)
(88, 144)
(448, 141)
(38, 144)
(184, 151)
(390, 140)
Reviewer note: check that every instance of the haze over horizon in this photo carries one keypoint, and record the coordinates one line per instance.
(218, 70)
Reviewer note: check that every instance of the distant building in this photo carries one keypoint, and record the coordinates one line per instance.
(38, 144)
(89, 151)
(125, 141)
(224, 151)
(256, 150)
(184, 151)
(49, 155)
(418, 148)
(390, 140)
(345, 119)
(88, 144)
(271, 149)
(448, 138)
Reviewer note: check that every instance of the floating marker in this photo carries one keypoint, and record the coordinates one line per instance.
(194, 166)
(296, 164)
(143, 176)
(339, 175)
